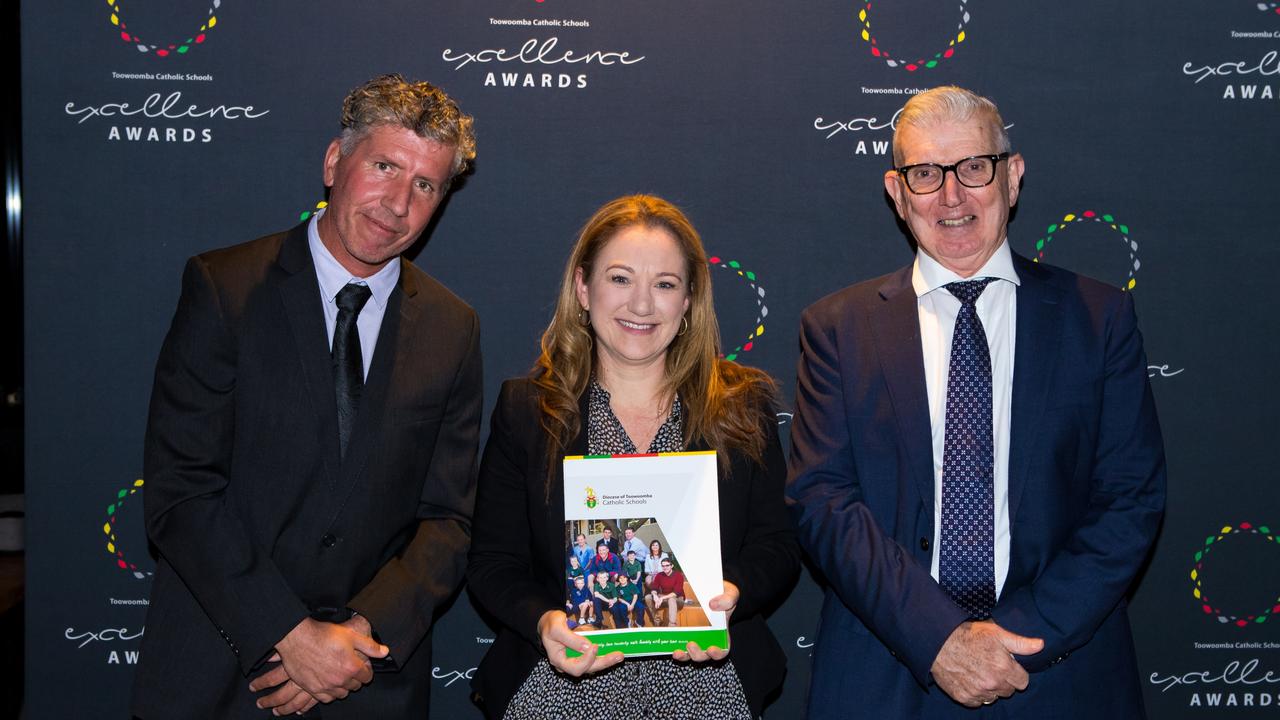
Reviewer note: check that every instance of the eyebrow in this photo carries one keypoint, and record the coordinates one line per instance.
(628, 268)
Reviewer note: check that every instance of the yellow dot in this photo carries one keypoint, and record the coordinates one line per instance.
(114, 20)
(759, 331)
(106, 528)
(866, 35)
(213, 21)
(862, 15)
(137, 483)
(111, 548)
(322, 204)
(1193, 574)
(1196, 592)
(960, 37)
(1225, 529)
(1068, 217)
(1132, 282)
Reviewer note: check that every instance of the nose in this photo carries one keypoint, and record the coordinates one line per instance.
(397, 198)
(951, 192)
(641, 302)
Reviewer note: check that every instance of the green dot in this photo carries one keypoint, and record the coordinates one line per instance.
(1265, 529)
(183, 50)
(121, 494)
(1053, 228)
(731, 356)
(1040, 244)
(734, 264)
(750, 275)
(1108, 218)
(1261, 619)
(1198, 556)
(111, 509)
(1124, 229)
(1209, 541)
(305, 214)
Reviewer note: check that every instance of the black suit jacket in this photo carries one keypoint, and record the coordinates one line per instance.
(517, 563)
(257, 520)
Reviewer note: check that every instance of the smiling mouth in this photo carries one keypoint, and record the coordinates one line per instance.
(636, 326)
(957, 222)
(384, 227)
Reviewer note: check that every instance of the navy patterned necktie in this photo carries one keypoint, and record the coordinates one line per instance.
(348, 361)
(966, 562)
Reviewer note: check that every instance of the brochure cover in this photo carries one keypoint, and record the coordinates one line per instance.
(644, 560)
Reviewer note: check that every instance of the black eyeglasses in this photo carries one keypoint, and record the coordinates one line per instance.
(972, 172)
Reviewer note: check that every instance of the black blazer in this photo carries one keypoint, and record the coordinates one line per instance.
(517, 562)
(257, 520)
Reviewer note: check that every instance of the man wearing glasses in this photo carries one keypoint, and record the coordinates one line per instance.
(976, 463)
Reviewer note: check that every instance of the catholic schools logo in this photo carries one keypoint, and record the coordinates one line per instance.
(1236, 599)
(179, 46)
(591, 501)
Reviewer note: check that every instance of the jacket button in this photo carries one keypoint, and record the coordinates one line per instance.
(924, 544)
(328, 540)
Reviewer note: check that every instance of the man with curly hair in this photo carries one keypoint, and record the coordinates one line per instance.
(311, 445)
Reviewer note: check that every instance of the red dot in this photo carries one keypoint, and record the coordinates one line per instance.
(949, 52)
(1245, 526)
(1276, 609)
(162, 52)
(124, 36)
(747, 347)
(875, 50)
(713, 260)
(1208, 610)
(1087, 213)
(121, 564)
(911, 67)
(1241, 623)
(200, 38)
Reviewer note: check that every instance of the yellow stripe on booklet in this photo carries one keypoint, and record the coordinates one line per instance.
(643, 533)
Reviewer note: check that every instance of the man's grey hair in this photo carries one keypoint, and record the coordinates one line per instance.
(418, 106)
(950, 104)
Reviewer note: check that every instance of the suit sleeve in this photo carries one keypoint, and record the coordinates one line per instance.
(768, 562)
(403, 596)
(187, 460)
(870, 572)
(500, 576)
(1089, 576)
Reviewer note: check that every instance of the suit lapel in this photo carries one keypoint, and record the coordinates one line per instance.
(895, 325)
(300, 293)
(1039, 334)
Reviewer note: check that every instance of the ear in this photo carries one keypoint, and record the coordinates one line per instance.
(1016, 167)
(580, 288)
(331, 158)
(893, 185)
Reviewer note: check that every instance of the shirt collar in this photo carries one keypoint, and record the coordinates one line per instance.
(928, 274)
(333, 277)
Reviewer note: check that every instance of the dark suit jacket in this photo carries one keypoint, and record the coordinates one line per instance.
(1086, 493)
(258, 522)
(517, 562)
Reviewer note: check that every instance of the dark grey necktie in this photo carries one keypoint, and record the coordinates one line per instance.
(966, 561)
(348, 361)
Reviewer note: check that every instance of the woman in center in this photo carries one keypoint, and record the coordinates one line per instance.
(630, 363)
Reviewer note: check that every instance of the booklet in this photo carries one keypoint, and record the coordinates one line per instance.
(644, 559)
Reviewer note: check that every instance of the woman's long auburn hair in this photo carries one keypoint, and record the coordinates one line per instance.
(722, 400)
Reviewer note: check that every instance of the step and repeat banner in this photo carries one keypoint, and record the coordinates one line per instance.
(155, 130)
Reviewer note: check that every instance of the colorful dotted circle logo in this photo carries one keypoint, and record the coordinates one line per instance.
(1269, 7)
(306, 214)
(762, 311)
(179, 48)
(109, 529)
(1131, 246)
(1198, 575)
(864, 16)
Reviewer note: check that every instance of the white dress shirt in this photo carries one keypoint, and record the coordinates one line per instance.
(333, 277)
(997, 309)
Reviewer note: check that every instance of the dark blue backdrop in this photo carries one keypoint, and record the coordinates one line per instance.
(1150, 138)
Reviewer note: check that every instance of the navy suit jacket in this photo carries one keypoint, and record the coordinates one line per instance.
(1086, 494)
